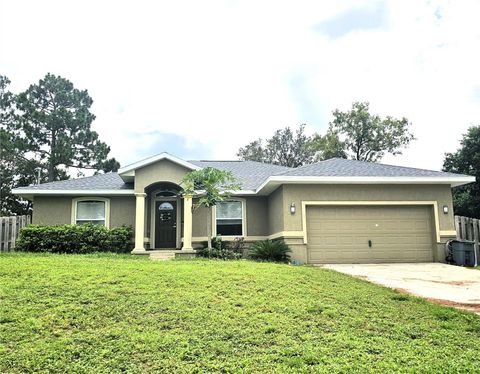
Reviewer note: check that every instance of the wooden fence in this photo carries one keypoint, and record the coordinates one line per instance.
(9, 230)
(468, 229)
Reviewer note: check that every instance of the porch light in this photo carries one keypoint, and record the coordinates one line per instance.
(292, 208)
(445, 209)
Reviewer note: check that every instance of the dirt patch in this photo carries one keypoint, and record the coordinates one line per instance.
(360, 276)
(452, 283)
(475, 308)
(456, 283)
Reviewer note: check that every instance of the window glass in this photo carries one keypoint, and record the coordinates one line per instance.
(90, 212)
(229, 209)
(229, 218)
(165, 206)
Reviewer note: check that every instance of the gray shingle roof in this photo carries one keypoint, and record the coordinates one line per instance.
(252, 174)
(339, 167)
(109, 181)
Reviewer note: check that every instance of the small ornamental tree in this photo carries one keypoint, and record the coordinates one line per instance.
(210, 186)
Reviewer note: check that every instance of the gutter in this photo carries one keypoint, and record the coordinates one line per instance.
(34, 191)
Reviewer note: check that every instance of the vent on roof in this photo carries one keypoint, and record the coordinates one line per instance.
(38, 177)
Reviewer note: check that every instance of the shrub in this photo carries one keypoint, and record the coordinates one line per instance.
(268, 250)
(216, 243)
(75, 239)
(237, 245)
(221, 254)
(220, 250)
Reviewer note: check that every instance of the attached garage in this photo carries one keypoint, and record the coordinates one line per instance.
(370, 234)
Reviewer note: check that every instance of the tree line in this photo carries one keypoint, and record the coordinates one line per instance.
(355, 134)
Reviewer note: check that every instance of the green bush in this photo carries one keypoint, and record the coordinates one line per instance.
(220, 250)
(221, 254)
(75, 239)
(268, 250)
(237, 245)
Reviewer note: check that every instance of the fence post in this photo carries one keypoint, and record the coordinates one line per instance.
(463, 227)
(14, 231)
(1, 233)
(457, 227)
(476, 236)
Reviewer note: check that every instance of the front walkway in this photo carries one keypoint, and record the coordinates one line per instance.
(444, 284)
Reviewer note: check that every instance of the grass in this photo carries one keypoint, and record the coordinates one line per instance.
(116, 313)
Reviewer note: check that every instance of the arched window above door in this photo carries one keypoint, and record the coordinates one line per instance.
(165, 206)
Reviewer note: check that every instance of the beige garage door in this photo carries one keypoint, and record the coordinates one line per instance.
(341, 234)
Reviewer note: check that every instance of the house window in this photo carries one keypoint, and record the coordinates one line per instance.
(229, 218)
(90, 211)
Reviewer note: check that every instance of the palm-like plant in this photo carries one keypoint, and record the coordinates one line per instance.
(270, 250)
(211, 186)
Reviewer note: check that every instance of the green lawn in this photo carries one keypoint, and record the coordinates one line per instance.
(108, 313)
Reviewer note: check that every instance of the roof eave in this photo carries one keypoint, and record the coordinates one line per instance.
(274, 181)
(270, 184)
(30, 192)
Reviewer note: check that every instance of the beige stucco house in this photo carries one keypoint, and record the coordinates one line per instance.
(334, 211)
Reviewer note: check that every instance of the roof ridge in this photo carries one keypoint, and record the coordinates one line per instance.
(253, 161)
(217, 160)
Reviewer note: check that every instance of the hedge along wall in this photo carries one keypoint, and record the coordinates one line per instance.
(75, 239)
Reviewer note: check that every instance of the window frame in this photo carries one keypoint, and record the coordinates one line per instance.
(77, 200)
(244, 219)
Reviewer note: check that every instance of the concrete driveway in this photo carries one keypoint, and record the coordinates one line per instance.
(444, 284)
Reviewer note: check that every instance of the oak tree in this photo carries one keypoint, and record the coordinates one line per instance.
(368, 137)
(286, 147)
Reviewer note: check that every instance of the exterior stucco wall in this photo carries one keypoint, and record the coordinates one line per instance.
(276, 211)
(161, 171)
(199, 221)
(122, 211)
(257, 216)
(52, 210)
(298, 193)
(57, 210)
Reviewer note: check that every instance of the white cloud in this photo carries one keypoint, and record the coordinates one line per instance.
(223, 73)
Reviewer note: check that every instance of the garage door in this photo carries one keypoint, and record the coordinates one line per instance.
(369, 234)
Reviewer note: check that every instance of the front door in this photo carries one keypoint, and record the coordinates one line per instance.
(165, 224)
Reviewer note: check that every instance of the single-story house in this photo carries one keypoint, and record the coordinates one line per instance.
(333, 211)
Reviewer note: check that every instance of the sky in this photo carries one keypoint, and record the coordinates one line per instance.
(199, 79)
